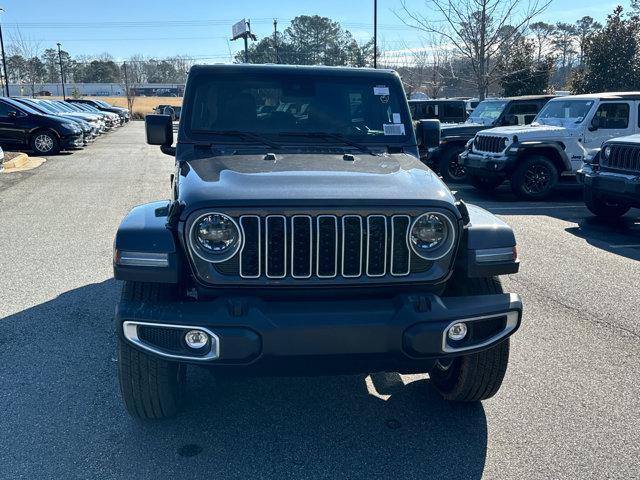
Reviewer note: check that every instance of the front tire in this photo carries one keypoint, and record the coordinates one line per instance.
(603, 208)
(535, 178)
(450, 170)
(45, 142)
(151, 388)
(477, 376)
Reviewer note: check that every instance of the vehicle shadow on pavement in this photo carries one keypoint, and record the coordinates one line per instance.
(62, 416)
(619, 235)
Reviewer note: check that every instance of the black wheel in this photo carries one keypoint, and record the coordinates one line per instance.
(535, 178)
(602, 207)
(450, 170)
(485, 184)
(151, 387)
(476, 376)
(45, 142)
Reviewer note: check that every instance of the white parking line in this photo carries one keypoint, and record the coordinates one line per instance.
(537, 207)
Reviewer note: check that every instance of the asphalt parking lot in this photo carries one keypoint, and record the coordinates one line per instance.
(569, 407)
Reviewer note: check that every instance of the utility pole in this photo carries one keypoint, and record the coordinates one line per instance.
(4, 62)
(126, 85)
(64, 96)
(275, 38)
(375, 33)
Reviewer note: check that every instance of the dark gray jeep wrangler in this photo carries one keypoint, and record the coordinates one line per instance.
(304, 236)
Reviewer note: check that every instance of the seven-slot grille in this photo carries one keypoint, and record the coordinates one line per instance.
(487, 143)
(623, 157)
(324, 246)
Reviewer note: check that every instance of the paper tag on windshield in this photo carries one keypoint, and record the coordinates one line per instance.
(396, 118)
(381, 90)
(393, 128)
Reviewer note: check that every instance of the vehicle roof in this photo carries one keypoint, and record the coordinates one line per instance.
(437, 100)
(273, 68)
(520, 98)
(606, 96)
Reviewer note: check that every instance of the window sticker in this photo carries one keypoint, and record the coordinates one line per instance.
(393, 128)
(396, 118)
(381, 90)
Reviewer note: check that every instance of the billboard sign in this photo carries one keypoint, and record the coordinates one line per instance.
(239, 29)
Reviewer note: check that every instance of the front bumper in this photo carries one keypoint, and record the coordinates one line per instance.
(487, 164)
(611, 185)
(405, 333)
(72, 141)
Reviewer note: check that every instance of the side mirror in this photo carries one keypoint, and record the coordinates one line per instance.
(159, 130)
(428, 133)
(595, 124)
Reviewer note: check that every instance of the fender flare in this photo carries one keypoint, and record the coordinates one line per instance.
(146, 230)
(556, 146)
(484, 235)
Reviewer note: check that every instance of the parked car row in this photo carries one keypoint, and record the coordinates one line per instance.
(48, 126)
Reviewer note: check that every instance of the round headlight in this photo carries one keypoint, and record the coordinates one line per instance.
(432, 236)
(215, 237)
(505, 142)
(607, 151)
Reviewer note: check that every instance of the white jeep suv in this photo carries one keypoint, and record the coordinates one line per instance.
(565, 132)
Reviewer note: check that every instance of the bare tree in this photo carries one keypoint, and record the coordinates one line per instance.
(30, 50)
(543, 33)
(478, 30)
(564, 41)
(585, 27)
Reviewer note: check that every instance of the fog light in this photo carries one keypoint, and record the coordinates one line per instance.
(196, 339)
(457, 331)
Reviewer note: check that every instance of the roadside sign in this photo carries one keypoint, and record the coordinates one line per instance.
(239, 29)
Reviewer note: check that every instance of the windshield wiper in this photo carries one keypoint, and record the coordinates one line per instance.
(248, 135)
(335, 136)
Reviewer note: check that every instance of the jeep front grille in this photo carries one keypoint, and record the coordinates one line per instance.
(324, 247)
(623, 157)
(487, 143)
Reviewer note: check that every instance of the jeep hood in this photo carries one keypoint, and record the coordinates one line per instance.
(453, 129)
(307, 178)
(531, 132)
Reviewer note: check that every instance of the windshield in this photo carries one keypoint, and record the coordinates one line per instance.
(21, 106)
(50, 106)
(62, 106)
(563, 112)
(298, 105)
(103, 104)
(38, 108)
(487, 112)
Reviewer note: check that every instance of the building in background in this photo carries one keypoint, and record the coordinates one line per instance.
(97, 89)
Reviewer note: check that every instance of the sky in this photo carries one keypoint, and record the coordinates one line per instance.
(201, 29)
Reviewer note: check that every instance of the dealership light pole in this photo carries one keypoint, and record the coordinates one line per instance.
(64, 96)
(4, 62)
(375, 33)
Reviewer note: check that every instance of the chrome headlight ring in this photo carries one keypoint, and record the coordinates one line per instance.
(224, 254)
(443, 248)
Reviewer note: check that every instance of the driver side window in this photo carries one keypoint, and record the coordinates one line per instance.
(5, 109)
(613, 115)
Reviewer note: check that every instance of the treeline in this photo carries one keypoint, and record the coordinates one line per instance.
(530, 58)
(36, 69)
(311, 40)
